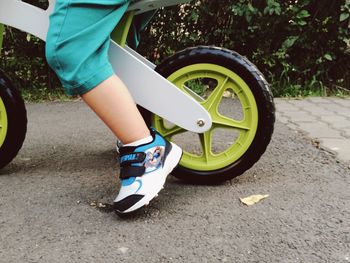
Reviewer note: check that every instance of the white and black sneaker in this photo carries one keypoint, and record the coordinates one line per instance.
(143, 171)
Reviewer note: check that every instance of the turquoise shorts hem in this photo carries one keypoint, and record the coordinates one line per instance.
(101, 75)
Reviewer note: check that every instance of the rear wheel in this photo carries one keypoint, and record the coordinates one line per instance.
(13, 121)
(240, 103)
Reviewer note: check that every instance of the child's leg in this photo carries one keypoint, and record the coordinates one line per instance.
(77, 46)
(77, 49)
(113, 103)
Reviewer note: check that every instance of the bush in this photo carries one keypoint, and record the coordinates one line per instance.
(23, 59)
(302, 46)
(299, 45)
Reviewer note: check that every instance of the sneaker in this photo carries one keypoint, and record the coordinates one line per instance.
(143, 171)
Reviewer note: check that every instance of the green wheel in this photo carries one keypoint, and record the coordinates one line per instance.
(13, 121)
(240, 103)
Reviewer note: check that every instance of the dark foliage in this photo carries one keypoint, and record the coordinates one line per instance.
(301, 46)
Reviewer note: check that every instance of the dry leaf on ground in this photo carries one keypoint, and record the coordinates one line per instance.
(253, 199)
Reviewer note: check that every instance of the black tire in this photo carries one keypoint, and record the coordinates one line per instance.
(261, 92)
(16, 121)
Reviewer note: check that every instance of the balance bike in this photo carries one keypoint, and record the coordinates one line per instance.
(211, 101)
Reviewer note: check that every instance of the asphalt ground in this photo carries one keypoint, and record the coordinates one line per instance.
(47, 211)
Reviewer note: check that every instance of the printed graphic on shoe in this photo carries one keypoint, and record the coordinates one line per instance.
(143, 172)
(154, 158)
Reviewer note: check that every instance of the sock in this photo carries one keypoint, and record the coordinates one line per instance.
(139, 142)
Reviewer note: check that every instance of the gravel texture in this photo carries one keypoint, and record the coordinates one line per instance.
(68, 162)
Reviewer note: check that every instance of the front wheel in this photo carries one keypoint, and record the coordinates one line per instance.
(240, 103)
(13, 121)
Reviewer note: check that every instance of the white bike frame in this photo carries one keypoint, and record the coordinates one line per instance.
(149, 89)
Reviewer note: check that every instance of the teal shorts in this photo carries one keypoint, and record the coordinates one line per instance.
(78, 41)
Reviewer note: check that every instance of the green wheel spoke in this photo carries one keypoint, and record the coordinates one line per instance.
(215, 97)
(206, 143)
(228, 123)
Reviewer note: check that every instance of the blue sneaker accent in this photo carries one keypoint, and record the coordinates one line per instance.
(140, 182)
(130, 157)
(129, 181)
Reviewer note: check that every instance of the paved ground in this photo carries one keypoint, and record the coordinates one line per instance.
(325, 120)
(67, 162)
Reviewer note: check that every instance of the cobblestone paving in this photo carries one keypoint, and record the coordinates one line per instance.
(325, 120)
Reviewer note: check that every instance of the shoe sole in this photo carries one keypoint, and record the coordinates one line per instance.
(169, 165)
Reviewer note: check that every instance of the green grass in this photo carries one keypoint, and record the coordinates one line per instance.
(309, 89)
